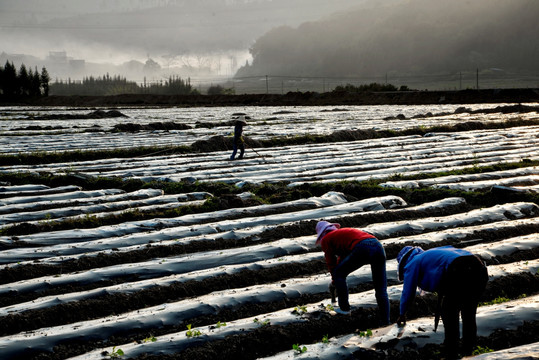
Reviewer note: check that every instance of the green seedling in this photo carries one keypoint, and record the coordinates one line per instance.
(192, 333)
(366, 333)
(299, 310)
(151, 338)
(46, 220)
(116, 353)
(298, 349)
(481, 350)
(220, 324)
(262, 323)
(330, 307)
(498, 300)
(325, 339)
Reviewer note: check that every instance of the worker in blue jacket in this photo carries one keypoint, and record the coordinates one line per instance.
(457, 276)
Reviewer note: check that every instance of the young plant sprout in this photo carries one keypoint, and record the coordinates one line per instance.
(220, 324)
(298, 349)
(366, 333)
(325, 339)
(192, 333)
(262, 323)
(481, 350)
(116, 353)
(150, 338)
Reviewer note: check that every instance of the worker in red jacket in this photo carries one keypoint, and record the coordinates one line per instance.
(346, 250)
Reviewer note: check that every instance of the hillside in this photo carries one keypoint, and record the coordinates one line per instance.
(407, 37)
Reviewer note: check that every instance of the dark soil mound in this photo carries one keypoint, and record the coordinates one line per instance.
(221, 143)
(102, 114)
(131, 127)
(98, 114)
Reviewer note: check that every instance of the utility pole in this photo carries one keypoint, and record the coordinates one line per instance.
(267, 86)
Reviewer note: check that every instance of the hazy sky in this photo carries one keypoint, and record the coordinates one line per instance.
(307, 37)
(115, 31)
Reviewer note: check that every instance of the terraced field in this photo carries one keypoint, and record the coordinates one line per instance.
(187, 255)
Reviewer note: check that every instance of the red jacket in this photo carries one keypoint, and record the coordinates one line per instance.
(338, 244)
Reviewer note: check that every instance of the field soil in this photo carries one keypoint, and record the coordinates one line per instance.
(265, 340)
(293, 99)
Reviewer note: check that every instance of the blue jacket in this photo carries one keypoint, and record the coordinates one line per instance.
(424, 269)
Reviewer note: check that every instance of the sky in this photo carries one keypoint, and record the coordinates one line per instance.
(213, 34)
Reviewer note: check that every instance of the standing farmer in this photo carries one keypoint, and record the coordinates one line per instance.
(238, 139)
(346, 250)
(459, 278)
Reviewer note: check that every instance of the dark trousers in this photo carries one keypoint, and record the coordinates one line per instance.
(368, 251)
(462, 286)
(236, 146)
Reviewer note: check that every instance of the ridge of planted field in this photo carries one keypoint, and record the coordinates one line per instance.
(190, 255)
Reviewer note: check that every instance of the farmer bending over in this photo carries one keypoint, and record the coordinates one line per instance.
(459, 278)
(346, 250)
(238, 139)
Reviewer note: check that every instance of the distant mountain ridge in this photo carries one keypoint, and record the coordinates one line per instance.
(409, 36)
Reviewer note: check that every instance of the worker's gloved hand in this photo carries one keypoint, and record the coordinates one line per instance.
(333, 292)
(401, 320)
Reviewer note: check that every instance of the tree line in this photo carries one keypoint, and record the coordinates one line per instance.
(115, 85)
(26, 82)
(372, 87)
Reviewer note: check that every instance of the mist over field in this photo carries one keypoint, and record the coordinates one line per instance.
(203, 36)
(222, 39)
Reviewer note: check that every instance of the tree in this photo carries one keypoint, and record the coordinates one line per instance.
(219, 90)
(1, 80)
(45, 81)
(24, 81)
(9, 84)
(35, 83)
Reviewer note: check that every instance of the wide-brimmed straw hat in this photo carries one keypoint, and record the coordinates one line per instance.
(241, 120)
(323, 227)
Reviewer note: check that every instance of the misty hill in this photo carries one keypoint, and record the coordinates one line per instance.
(406, 37)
